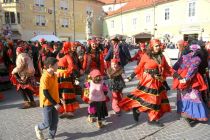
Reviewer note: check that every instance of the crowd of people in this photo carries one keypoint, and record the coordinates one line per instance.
(53, 71)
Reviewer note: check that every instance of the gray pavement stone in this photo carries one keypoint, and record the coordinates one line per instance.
(16, 124)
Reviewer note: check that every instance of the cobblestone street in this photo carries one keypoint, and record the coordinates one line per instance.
(17, 124)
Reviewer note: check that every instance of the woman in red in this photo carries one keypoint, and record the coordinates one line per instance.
(77, 68)
(150, 94)
(93, 59)
(65, 80)
(140, 53)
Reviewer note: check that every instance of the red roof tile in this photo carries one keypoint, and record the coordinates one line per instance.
(137, 4)
(113, 1)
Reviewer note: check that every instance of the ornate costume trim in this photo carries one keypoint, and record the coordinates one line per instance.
(144, 103)
(150, 90)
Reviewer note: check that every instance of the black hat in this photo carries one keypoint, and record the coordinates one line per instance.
(50, 61)
(115, 38)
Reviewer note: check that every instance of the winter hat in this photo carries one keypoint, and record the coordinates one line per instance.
(154, 42)
(94, 73)
(194, 47)
(66, 47)
(42, 40)
(92, 42)
(20, 49)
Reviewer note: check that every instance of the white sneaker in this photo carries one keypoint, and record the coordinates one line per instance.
(39, 133)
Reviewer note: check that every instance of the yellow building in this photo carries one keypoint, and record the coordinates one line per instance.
(28, 18)
(175, 19)
(1, 21)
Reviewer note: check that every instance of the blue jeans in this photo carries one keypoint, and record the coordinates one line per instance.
(50, 120)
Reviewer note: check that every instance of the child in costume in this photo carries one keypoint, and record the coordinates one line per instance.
(97, 98)
(116, 84)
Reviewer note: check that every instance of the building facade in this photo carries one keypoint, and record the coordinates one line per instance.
(112, 5)
(1, 18)
(172, 19)
(28, 18)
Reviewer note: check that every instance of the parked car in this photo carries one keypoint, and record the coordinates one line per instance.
(172, 53)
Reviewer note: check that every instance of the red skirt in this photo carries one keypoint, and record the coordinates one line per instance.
(30, 84)
(67, 92)
(150, 96)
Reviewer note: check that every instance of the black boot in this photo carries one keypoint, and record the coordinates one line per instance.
(136, 114)
(190, 122)
(155, 123)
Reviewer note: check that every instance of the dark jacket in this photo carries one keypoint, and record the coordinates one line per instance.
(124, 54)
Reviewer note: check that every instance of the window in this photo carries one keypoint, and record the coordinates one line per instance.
(9, 17)
(148, 19)
(10, 1)
(18, 18)
(134, 21)
(167, 13)
(39, 3)
(110, 8)
(63, 5)
(64, 23)
(40, 20)
(191, 9)
(12, 17)
(112, 24)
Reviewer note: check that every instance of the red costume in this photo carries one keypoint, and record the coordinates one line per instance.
(93, 60)
(150, 95)
(65, 79)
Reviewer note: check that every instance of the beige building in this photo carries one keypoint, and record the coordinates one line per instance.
(28, 18)
(1, 20)
(174, 19)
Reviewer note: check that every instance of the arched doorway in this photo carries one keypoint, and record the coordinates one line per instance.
(142, 37)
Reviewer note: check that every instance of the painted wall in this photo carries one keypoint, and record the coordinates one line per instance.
(28, 12)
(178, 24)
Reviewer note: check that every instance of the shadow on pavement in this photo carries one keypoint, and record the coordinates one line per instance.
(12, 105)
(9, 106)
(112, 123)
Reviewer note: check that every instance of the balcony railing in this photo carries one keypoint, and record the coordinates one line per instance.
(12, 4)
(13, 27)
(10, 1)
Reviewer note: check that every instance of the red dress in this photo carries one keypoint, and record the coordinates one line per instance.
(92, 61)
(150, 94)
(66, 88)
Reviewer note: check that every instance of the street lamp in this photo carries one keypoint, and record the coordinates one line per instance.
(202, 30)
(154, 24)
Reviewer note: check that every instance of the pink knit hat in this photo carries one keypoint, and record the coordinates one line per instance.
(94, 73)
(194, 47)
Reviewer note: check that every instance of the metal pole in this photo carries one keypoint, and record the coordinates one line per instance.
(54, 14)
(121, 16)
(73, 20)
(154, 20)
